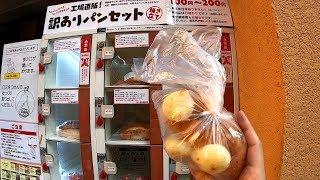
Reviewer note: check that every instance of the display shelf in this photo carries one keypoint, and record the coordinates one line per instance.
(115, 140)
(61, 139)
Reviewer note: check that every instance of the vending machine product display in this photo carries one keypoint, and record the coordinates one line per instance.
(65, 109)
(96, 119)
(133, 145)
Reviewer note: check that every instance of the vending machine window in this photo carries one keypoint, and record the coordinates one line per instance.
(132, 133)
(67, 122)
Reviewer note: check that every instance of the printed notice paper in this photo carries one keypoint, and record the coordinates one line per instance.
(19, 81)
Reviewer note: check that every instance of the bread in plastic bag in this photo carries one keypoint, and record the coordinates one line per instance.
(195, 128)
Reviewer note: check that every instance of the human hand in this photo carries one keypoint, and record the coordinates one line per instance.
(254, 169)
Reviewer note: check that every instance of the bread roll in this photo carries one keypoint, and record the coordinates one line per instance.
(211, 158)
(135, 131)
(177, 149)
(69, 129)
(178, 106)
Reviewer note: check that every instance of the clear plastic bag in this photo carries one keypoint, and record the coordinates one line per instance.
(195, 127)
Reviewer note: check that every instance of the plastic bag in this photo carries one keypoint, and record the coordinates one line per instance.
(195, 127)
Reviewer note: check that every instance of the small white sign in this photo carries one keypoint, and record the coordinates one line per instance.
(72, 44)
(20, 141)
(132, 40)
(45, 108)
(85, 68)
(107, 52)
(131, 96)
(47, 58)
(107, 111)
(64, 96)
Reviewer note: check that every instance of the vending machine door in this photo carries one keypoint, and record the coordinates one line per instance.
(132, 133)
(66, 104)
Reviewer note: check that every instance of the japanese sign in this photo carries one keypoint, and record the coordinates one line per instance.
(131, 96)
(20, 142)
(226, 56)
(85, 60)
(17, 170)
(64, 96)
(19, 81)
(70, 44)
(202, 12)
(131, 40)
(91, 15)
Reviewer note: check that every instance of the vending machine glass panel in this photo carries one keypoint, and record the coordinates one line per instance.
(63, 71)
(133, 163)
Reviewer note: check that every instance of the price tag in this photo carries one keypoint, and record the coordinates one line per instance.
(107, 111)
(49, 160)
(47, 58)
(107, 52)
(45, 108)
(110, 167)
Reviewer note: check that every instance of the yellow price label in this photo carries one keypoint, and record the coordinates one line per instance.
(13, 176)
(22, 168)
(22, 177)
(13, 166)
(12, 76)
(33, 171)
(5, 164)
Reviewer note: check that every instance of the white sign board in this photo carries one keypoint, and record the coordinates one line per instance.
(202, 12)
(71, 44)
(131, 96)
(64, 96)
(91, 15)
(20, 142)
(131, 40)
(19, 81)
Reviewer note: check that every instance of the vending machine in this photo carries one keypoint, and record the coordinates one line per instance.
(96, 120)
(99, 120)
(129, 144)
(64, 110)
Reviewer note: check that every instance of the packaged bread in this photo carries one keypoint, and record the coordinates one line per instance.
(195, 128)
(135, 131)
(69, 129)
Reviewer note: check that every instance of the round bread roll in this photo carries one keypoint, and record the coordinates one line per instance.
(211, 158)
(135, 131)
(177, 149)
(178, 106)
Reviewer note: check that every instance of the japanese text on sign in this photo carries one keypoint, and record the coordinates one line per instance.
(19, 141)
(132, 40)
(19, 81)
(226, 56)
(202, 12)
(131, 96)
(64, 96)
(92, 15)
(72, 44)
